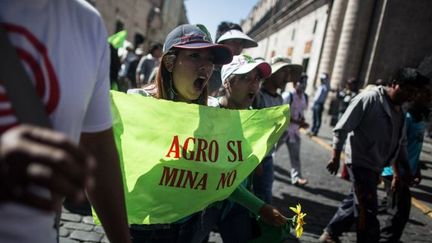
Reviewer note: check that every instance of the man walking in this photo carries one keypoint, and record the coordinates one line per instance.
(298, 101)
(318, 104)
(374, 128)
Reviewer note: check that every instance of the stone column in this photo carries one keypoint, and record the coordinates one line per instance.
(332, 35)
(352, 40)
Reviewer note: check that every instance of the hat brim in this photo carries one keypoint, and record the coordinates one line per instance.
(278, 66)
(263, 67)
(297, 69)
(221, 53)
(236, 34)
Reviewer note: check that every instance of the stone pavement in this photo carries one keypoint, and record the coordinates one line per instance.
(77, 228)
(319, 198)
(324, 192)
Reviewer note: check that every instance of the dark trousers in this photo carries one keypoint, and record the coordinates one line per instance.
(234, 227)
(263, 183)
(360, 207)
(164, 233)
(317, 110)
(398, 208)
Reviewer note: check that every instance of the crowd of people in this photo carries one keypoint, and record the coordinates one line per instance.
(77, 158)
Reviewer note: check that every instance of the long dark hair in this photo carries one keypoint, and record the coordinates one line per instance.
(163, 88)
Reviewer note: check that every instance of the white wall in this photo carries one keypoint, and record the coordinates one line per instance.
(280, 41)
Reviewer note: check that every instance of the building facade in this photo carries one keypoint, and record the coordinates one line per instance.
(364, 39)
(294, 29)
(146, 21)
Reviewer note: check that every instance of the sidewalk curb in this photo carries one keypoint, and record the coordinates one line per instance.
(425, 209)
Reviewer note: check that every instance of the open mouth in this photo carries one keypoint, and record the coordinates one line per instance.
(199, 83)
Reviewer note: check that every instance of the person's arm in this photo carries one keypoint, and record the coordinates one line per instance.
(395, 177)
(267, 212)
(347, 123)
(247, 199)
(403, 161)
(107, 195)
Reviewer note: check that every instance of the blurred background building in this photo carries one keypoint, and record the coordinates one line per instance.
(364, 39)
(146, 21)
(294, 29)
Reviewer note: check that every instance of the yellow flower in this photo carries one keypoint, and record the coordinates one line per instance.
(299, 220)
(297, 209)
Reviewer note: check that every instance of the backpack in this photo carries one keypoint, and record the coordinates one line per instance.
(290, 99)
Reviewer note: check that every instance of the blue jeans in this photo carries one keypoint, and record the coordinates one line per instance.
(317, 110)
(262, 184)
(360, 207)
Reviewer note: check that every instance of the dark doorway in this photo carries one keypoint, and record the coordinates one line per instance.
(305, 64)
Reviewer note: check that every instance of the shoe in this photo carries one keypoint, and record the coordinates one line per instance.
(327, 238)
(311, 134)
(301, 182)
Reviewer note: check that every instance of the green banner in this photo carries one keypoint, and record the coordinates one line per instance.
(179, 158)
(117, 39)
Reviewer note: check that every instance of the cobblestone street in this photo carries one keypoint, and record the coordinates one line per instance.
(319, 198)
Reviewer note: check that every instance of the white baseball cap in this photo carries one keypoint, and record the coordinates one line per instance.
(279, 62)
(237, 34)
(242, 64)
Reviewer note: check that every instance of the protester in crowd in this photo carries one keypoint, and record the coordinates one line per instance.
(231, 35)
(398, 195)
(189, 61)
(186, 66)
(344, 97)
(298, 101)
(242, 78)
(374, 84)
(131, 72)
(39, 166)
(114, 67)
(147, 64)
(375, 128)
(318, 104)
(347, 94)
(283, 71)
(126, 58)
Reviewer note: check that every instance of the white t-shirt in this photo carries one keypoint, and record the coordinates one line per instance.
(63, 47)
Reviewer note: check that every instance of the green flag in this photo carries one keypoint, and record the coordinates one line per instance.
(178, 158)
(117, 39)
